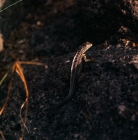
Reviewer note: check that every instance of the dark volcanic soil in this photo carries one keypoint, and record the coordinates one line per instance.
(105, 104)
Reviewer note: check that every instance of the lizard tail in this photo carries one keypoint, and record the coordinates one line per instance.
(66, 100)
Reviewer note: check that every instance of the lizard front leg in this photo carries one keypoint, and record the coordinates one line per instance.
(85, 59)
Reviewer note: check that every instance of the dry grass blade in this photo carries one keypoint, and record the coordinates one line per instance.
(9, 87)
(31, 63)
(10, 6)
(20, 73)
(17, 67)
(34, 63)
(3, 138)
(5, 75)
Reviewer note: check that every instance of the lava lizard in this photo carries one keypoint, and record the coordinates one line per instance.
(75, 70)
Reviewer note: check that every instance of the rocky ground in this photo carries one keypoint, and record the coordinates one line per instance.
(105, 104)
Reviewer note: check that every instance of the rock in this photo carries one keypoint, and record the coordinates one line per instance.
(103, 18)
